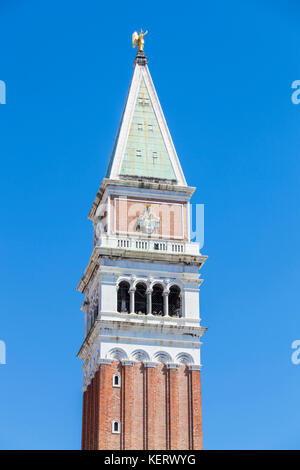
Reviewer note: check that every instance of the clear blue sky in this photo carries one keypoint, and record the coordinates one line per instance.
(223, 73)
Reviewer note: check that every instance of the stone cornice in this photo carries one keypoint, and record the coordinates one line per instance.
(90, 272)
(137, 183)
(121, 253)
(126, 362)
(145, 255)
(105, 361)
(112, 328)
(172, 365)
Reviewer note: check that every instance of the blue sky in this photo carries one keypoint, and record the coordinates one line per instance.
(223, 72)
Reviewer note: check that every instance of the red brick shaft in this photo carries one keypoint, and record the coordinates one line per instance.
(158, 408)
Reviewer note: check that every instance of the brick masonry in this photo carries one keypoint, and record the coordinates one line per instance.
(158, 408)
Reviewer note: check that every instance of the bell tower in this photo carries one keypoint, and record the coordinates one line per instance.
(142, 334)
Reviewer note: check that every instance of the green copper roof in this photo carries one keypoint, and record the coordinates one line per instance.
(146, 153)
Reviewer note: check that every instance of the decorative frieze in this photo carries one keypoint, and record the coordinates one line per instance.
(159, 357)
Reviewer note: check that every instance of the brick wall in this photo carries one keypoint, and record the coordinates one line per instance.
(159, 408)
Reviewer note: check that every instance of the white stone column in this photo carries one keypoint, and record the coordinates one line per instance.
(117, 290)
(149, 301)
(132, 291)
(166, 292)
(166, 303)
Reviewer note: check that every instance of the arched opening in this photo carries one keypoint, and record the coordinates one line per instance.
(157, 300)
(140, 299)
(174, 302)
(116, 380)
(123, 297)
(115, 427)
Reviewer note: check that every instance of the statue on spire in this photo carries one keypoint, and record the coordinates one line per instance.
(138, 39)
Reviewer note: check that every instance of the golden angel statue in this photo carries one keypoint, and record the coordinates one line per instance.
(138, 39)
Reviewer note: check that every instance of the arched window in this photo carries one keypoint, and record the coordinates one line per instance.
(140, 299)
(157, 300)
(174, 302)
(115, 427)
(123, 297)
(116, 380)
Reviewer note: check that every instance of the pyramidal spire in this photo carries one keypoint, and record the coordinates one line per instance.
(143, 147)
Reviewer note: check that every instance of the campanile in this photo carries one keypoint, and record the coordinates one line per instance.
(142, 333)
